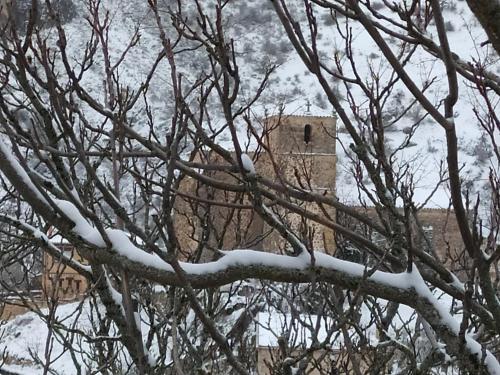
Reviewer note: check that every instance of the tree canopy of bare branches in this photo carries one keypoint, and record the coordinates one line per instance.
(104, 147)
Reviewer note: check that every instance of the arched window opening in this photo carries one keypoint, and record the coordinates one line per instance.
(307, 133)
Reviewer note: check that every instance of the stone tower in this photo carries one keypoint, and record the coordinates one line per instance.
(301, 153)
(303, 148)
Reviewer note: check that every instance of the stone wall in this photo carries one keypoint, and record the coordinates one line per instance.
(61, 282)
(15, 307)
(304, 165)
(441, 232)
(322, 361)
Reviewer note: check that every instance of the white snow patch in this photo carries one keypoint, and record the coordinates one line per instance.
(20, 171)
(82, 227)
(27, 334)
(418, 283)
(248, 165)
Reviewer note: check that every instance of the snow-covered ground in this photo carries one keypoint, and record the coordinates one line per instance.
(25, 337)
(25, 340)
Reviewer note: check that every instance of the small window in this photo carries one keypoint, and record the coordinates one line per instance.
(77, 287)
(307, 133)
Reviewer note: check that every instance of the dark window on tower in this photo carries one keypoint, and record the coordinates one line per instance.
(307, 133)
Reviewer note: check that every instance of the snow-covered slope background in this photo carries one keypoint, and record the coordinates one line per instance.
(261, 42)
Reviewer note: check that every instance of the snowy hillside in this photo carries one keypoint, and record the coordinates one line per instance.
(260, 42)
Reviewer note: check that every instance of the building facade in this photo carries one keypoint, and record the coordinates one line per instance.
(60, 282)
(299, 151)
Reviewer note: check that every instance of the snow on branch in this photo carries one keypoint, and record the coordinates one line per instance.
(417, 283)
(248, 165)
(14, 171)
(406, 288)
(43, 241)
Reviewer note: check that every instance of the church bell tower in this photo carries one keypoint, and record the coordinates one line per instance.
(303, 148)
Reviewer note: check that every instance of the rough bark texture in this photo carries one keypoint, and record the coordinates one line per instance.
(488, 14)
